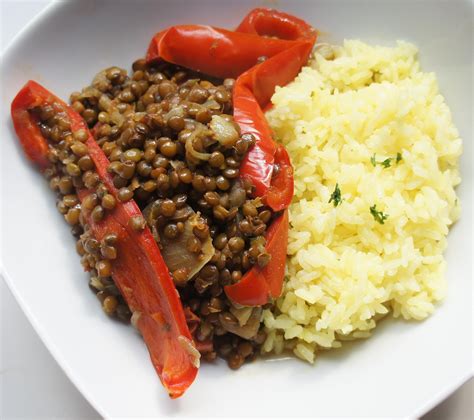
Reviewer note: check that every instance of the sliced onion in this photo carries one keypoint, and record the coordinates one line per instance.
(150, 212)
(193, 353)
(116, 117)
(191, 152)
(212, 104)
(177, 111)
(325, 50)
(105, 103)
(177, 164)
(223, 130)
(176, 254)
(247, 331)
(134, 319)
(182, 214)
(242, 314)
(237, 195)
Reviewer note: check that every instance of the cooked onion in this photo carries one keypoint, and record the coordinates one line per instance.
(237, 195)
(105, 103)
(192, 152)
(177, 111)
(182, 214)
(242, 314)
(177, 164)
(176, 254)
(134, 319)
(212, 104)
(151, 212)
(247, 331)
(223, 131)
(326, 50)
(188, 346)
(116, 117)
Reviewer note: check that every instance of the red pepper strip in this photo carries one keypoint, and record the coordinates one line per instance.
(258, 162)
(258, 284)
(282, 188)
(139, 270)
(222, 53)
(34, 144)
(270, 22)
(259, 82)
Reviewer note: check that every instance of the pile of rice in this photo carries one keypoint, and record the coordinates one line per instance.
(353, 107)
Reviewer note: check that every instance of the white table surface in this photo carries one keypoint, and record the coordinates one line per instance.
(32, 385)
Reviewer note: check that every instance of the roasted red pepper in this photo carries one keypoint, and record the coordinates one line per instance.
(261, 80)
(258, 284)
(267, 49)
(139, 270)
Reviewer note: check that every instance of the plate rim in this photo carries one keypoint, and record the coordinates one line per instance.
(52, 8)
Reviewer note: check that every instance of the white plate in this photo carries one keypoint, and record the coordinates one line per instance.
(402, 371)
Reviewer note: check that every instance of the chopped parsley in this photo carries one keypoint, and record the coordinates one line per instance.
(378, 215)
(385, 163)
(373, 161)
(336, 196)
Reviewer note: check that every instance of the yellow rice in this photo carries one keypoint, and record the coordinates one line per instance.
(346, 270)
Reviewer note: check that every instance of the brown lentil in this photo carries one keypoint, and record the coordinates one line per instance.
(109, 305)
(137, 223)
(104, 268)
(236, 244)
(180, 275)
(249, 209)
(109, 252)
(110, 238)
(222, 183)
(193, 245)
(97, 213)
(124, 194)
(263, 259)
(72, 216)
(85, 163)
(235, 360)
(167, 208)
(108, 201)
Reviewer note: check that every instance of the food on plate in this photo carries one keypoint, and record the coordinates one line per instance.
(189, 215)
(174, 188)
(375, 156)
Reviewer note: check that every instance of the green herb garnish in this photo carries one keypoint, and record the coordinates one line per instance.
(378, 215)
(336, 196)
(373, 161)
(385, 163)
